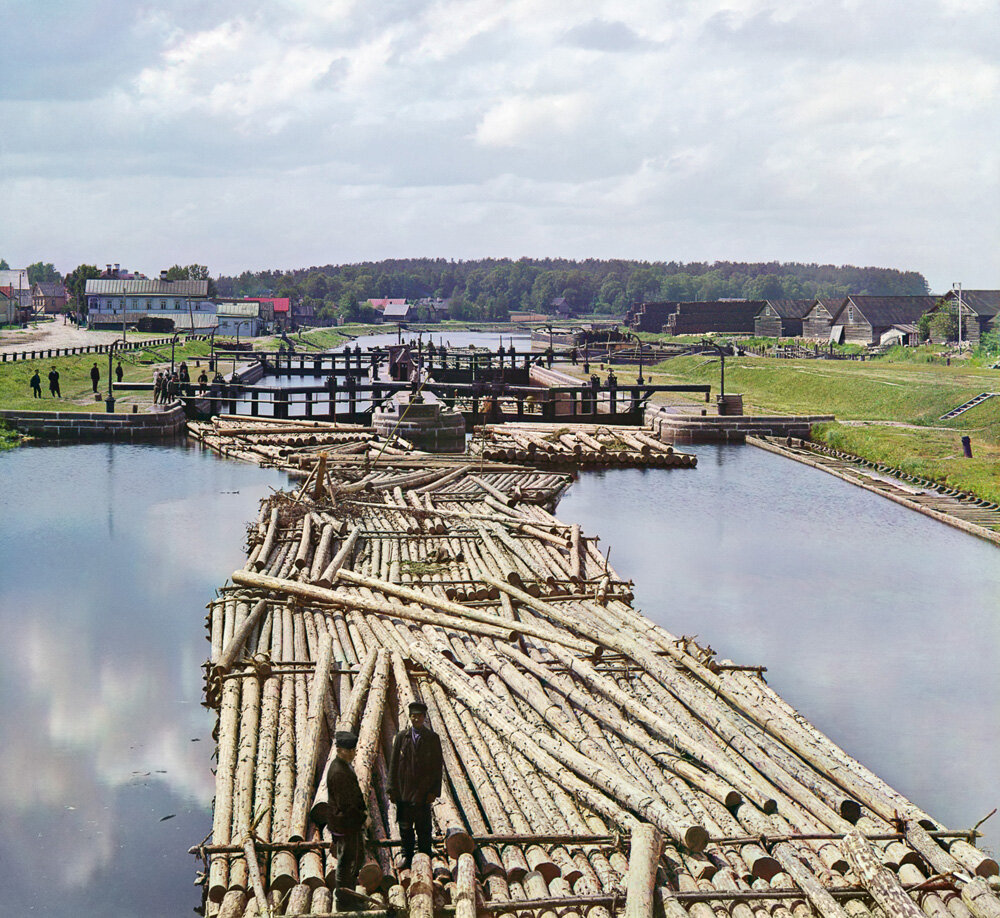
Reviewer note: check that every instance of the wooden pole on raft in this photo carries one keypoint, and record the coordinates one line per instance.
(235, 646)
(644, 857)
(304, 785)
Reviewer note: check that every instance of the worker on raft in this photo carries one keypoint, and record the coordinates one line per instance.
(415, 770)
(348, 816)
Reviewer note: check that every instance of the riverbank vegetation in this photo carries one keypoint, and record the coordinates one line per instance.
(492, 288)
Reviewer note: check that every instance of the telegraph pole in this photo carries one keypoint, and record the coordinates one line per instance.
(958, 289)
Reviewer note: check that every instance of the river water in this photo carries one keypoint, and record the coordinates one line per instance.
(880, 625)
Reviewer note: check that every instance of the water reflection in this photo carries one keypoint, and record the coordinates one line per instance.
(880, 625)
(107, 555)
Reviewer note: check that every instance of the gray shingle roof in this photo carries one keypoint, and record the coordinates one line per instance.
(113, 286)
(887, 310)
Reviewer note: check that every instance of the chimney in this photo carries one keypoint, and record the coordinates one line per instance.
(118, 270)
(108, 271)
(163, 274)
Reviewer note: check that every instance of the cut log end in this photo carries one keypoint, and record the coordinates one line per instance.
(370, 876)
(766, 868)
(458, 842)
(696, 838)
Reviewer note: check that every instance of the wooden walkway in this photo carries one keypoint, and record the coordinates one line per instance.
(964, 511)
(595, 763)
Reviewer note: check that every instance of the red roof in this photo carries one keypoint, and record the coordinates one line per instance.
(280, 303)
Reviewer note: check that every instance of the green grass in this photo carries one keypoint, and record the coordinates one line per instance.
(9, 438)
(914, 393)
(892, 406)
(74, 377)
(928, 452)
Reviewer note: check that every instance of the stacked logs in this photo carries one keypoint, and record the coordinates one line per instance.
(578, 445)
(593, 760)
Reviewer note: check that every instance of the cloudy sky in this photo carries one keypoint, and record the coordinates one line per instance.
(245, 134)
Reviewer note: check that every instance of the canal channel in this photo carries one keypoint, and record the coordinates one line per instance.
(880, 625)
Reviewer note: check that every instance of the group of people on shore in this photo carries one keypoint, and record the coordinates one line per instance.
(35, 381)
(168, 386)
(416, 768)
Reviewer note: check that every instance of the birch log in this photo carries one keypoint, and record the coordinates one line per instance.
(309, 748)
(880, 882)
(644, 856)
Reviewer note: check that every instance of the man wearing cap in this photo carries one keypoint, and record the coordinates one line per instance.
(415, 767)
(348, 815)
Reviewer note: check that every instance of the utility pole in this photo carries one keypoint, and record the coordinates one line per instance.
(958, 289)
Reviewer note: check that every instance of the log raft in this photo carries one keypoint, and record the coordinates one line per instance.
(595, 763)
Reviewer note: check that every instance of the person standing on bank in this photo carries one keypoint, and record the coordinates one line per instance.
(54, 383)
(95, 376)
(119, 372)
(348, 815)
(415, 771)
(36, 385)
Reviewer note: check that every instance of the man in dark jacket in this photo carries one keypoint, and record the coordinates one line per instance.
(415, 768)
(95, 376)
(348, 815)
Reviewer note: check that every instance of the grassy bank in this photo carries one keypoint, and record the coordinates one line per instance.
(75, 382)
(890, 409)
(933, 453)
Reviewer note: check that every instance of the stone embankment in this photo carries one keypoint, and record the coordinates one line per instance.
(76, 426)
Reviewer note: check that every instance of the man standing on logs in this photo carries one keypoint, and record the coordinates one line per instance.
(348, 815)
(415, 769)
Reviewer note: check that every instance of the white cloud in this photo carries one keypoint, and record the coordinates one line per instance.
(535, 120)
(730, 109)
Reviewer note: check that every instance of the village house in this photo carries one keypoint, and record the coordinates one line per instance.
(735, 317)
(379, 304)
(396, 311)
(16, 281)
(8, 307)
(980, 312)
(781, 318)
(48, 297)
(872, 320)
(238, 317)
(181, 304)
(274, 310)
(816, 321)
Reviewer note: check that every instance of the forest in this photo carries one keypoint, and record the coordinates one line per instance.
(492, 288)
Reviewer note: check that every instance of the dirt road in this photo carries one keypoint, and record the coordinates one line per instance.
(53, 334)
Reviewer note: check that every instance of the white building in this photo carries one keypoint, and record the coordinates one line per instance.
(185, 302)
(239, 317)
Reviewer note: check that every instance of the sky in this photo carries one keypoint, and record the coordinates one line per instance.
(248, 135)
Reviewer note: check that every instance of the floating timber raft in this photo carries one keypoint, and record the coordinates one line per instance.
(578, 445)
(595, 763)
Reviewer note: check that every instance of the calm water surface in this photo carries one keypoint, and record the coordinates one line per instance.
(882, 626)
(879, 624)
(108, 554)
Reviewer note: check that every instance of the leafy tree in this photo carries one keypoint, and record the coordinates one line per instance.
(43, 273)
(944, 324)
(76, 284)
(764, 287)
(3, 265)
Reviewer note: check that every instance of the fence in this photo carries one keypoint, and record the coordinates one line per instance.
(47, 353)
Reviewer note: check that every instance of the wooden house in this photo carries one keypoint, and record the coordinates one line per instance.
(816, 322)
(865, 319)
(980, 311)
(781, 318)
(727, 316)
(48, 297)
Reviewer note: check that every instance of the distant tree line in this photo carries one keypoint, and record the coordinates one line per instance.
(492, 288)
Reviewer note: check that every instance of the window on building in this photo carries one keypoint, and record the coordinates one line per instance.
(850, 313)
